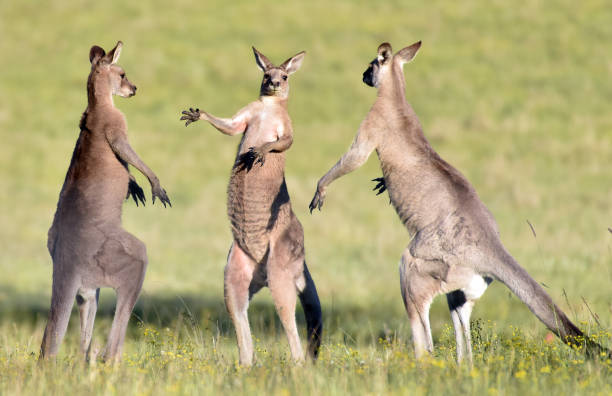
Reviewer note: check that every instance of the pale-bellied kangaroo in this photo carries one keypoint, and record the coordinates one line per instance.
(88, 246)
(455, 247)
(268, 246)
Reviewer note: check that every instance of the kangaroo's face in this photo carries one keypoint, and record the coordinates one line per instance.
(120, 85)
(384, 61)
(107, 75)
(379, 66)
(275, 80)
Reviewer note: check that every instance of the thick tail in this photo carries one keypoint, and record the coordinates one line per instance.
(312, 310)
(509, 272)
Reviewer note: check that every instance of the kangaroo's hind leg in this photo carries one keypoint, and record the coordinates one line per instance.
(285, 268)
(461, 302)
(87, 301)
(418, 290)
(460, 310)
(64, 290)
(124, 259)
(237, 282)
(312, 311)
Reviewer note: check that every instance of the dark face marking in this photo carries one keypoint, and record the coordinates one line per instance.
(370, 76)
(275, 82)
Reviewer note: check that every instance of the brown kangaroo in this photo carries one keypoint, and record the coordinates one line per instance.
(268, 246)
(88, 246)
(455, 247)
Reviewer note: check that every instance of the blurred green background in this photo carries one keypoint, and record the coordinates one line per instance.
(516, 96)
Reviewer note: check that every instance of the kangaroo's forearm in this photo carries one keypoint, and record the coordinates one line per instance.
(228, 126)
(124, 151)
(278, 146)
(351, 160)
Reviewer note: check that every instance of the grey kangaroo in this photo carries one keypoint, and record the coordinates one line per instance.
(88, 246)
(268, 246)
(455, 247)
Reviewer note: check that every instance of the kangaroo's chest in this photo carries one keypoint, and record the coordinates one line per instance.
(266, 127)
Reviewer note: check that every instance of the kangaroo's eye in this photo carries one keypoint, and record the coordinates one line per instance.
(122, 75)
(285, 78)
(266, 76)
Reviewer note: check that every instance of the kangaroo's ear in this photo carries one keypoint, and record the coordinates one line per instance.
(384, 53)
(113, 55)
(263, 62)
(95, 54)
(292, 64)
(405, 55)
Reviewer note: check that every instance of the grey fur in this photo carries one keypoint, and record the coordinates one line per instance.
(88, 246)
(455, 247)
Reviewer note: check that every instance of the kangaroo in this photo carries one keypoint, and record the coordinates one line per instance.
(455, 247)
(88, 246)
(268, 245)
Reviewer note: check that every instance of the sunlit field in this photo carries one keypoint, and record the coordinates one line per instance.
(516, 96)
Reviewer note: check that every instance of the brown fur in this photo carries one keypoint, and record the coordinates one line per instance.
(268, 246)
(88, 246)
(455, 247)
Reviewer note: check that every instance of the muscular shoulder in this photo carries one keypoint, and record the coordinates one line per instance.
(111, 123)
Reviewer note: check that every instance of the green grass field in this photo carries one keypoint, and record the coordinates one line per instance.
(517, 96)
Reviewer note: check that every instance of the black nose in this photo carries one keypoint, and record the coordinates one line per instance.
(276, 83)
(367, 78)
(135, 88)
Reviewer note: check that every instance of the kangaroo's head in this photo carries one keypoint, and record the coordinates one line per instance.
(382, 65)
(276, 79)
(106, 76)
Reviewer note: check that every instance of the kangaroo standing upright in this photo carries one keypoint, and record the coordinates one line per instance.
(268, 246)
(455, 247)
(88, 246)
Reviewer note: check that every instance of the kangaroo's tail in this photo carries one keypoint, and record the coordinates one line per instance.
(312, 310)
(509, 272)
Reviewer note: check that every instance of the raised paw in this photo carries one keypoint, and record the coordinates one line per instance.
(159, 192)
(190, 116)
(317, 200)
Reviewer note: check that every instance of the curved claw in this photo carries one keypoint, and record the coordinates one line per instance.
(250, 158)
(190, 115)
(136, 192)
(163, 197)
(317, 202)
(260, 158)
(381, 186)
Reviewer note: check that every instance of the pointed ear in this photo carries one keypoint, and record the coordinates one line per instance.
(384, 53)
(113, 55)
(292, 64)
(405, 55)
(263, 62)
(95, 54)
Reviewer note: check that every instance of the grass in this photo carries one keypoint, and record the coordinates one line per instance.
(187, 360)
(516, 97)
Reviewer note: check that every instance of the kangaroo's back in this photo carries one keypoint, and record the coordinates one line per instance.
(455, 246)
(88, 246)
(96, 182)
